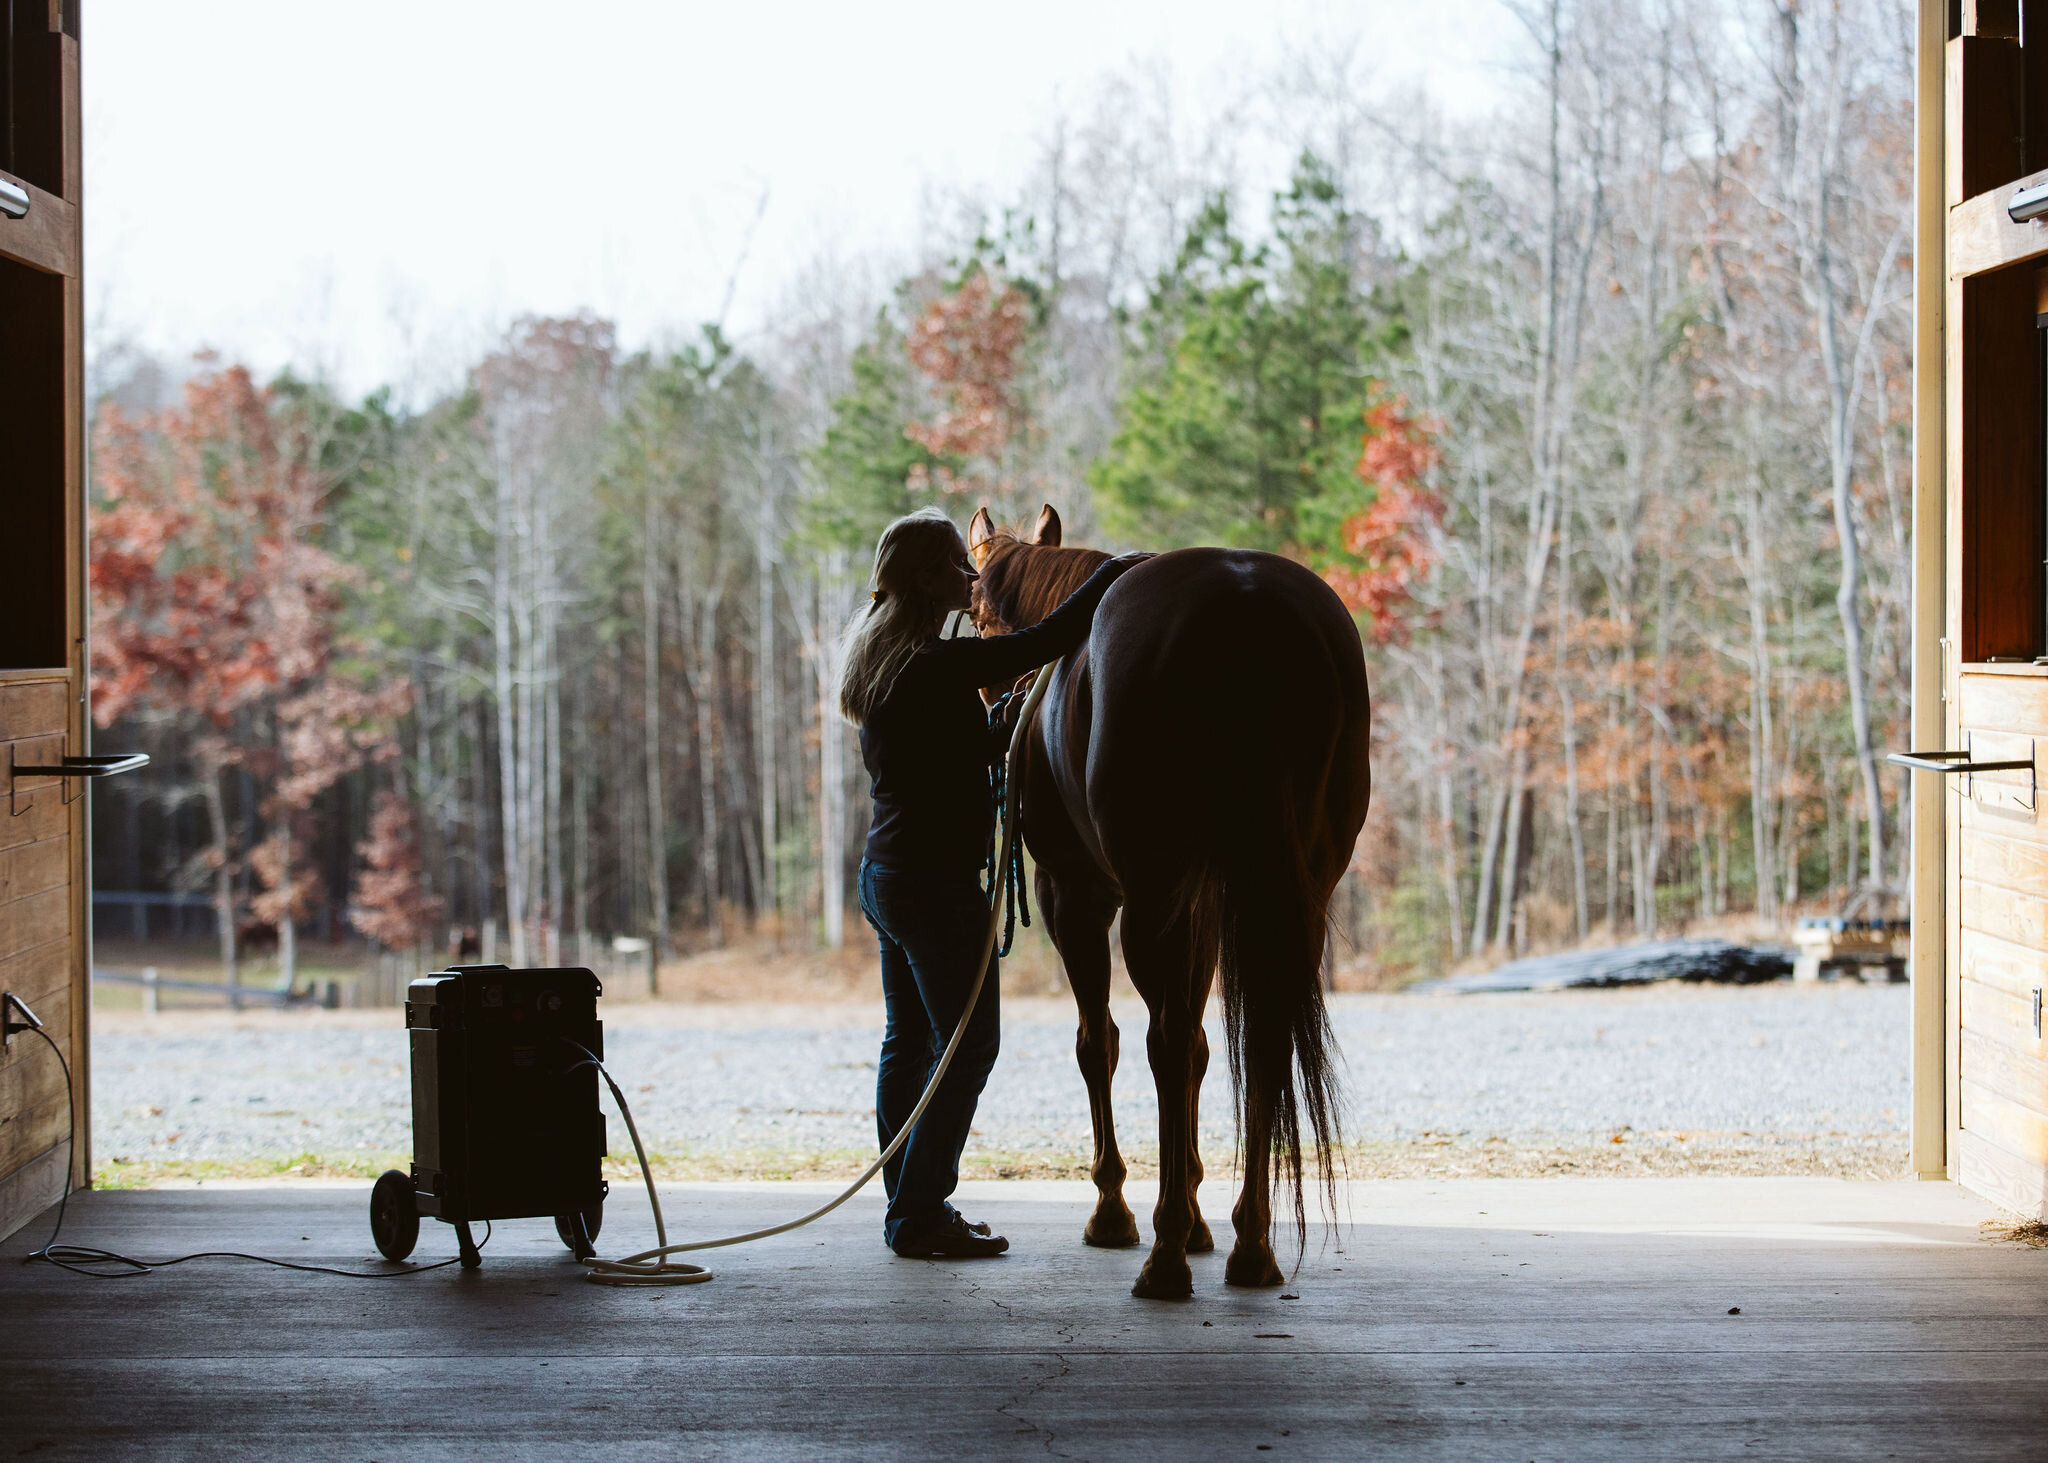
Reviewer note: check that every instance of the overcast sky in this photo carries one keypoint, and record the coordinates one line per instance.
(372, 189)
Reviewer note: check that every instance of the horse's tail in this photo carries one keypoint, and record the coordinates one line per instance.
(1274, 918)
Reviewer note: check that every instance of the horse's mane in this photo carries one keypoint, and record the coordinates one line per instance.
(1022, 583)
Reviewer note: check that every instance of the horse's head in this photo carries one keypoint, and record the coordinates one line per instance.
(1023, 580)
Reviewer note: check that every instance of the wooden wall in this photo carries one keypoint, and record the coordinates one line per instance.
(2001, 941)
(1995, 697)
(44, 934)
(37, 950)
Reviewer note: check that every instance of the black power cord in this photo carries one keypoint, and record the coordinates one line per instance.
(82, 1259)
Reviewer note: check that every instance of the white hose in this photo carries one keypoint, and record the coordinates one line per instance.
(649, 1267)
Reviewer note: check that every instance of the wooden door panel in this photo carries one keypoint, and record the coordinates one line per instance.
(2009, 1125)
(1977, 820)
(2003, 966)
(36, 914)
(2007, 858)
(46, 818)
(43, 903)
(2001, 914)
(2003, 1019)
(37, 918)
(1998, 702)
(42, 973)
(34, 868)
(33, 1115)
(1986, 909)
(2016, 1183)
(1987, 807)
(1999, 1068)
(33, 710)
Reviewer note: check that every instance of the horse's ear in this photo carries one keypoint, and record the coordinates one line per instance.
(980, 529)
(1047, 533)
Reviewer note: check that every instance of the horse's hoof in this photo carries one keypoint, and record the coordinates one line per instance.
(1200, 1241)
(1164, 1279)
(1252, 1266)
(1109, 1230)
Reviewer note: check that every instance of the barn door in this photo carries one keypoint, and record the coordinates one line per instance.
(1994, 668)
(42, 454)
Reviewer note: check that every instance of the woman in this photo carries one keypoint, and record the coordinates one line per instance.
(924, 737)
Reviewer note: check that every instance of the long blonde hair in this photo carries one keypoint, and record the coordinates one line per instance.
(903, 614)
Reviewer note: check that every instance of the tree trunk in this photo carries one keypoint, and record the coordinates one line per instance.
(552, 954)
(831, 768)
(579, 817)
(650, 721)
(287, 927)
(1760, 721)
(1561, 678)
(1512, 846)
(1612, 894)
(511, 803)
(1489, 860)
(223, 879)
(1447, 812)
(766, 673)
(704, 692)
(820, 630)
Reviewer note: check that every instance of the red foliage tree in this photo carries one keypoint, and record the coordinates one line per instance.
(1388, 541)
(215, 607)
(967, 345)
(390, 903)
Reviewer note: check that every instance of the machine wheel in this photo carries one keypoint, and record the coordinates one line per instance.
(579, 1230)
(394, 1215)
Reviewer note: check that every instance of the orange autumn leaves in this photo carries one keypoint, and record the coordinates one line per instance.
(1389, 541)
(202, 598)
(216, 603)
(967, 344)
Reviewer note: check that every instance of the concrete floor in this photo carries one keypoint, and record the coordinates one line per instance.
(1465, 1319)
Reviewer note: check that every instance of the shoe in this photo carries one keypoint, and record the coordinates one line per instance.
(954, 1239)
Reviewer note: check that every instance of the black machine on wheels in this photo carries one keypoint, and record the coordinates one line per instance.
(505, 1121)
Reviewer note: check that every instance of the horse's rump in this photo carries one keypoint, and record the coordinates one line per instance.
(1227, 780)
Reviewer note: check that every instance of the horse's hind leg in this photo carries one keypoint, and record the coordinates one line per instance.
(1159, 948)
(1078, 919)
(1251, 1259)
(1200, 1241)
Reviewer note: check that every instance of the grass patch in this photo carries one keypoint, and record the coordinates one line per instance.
(126, 1173)
(842, 1165)
(1642, 1155)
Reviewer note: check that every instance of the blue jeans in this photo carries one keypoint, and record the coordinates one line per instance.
(931, 926)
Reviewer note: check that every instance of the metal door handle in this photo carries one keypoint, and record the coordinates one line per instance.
(1954, 762)
(68, 767)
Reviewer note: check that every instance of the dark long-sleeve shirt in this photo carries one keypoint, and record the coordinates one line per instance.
(927, 746)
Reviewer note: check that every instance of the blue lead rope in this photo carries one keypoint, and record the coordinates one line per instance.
(1016, 905)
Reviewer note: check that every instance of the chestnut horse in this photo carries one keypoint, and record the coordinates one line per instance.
(1201, 763)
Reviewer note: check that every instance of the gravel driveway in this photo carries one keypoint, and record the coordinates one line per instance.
(1767, 1079)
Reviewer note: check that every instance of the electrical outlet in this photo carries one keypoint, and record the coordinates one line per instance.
(15, 1016)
